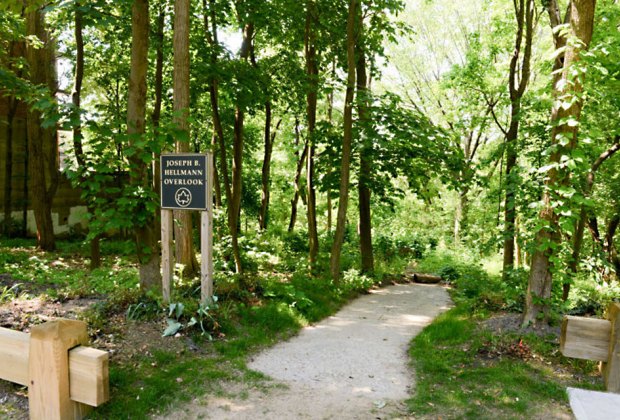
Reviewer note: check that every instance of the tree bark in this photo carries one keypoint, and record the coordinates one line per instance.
(577, 239)
(183, 229)
(42, 142)
(8, 168)
(518, 80)
(269, 139)
(234, 206)
(156, 113)
(76, 98)
(365, 170)
(146, 244)
(347, 138)
(548, 237)
(312, 73)
(301, 162)
(218, 142)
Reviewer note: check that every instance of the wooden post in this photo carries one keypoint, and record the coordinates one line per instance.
(167, 260)
(611, 369)
(48, 387)
(206, 239)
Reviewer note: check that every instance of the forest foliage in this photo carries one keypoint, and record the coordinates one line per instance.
(349, 130)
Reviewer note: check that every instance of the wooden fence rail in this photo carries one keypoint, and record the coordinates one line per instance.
(595, 339)
(63, 378)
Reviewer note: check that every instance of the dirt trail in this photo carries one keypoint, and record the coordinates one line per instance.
(353, 365)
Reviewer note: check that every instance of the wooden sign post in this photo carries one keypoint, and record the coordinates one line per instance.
(187, 184)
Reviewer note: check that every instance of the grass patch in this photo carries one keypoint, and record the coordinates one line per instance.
(464, 371)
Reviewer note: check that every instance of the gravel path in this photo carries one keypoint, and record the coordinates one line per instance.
(353, 365)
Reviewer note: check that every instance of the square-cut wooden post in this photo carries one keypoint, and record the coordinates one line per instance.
(48, 385)
(611, 369)
(167, 257)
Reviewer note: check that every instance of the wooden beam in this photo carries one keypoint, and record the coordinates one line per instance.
(88, 368)
(14, 350)
(611, 369)
(585, 338)
(89, 376)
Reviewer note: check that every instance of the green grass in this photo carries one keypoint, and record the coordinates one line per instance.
(463, 371)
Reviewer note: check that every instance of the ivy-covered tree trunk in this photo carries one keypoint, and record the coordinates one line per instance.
(345, 166)
(146, 244)
(564, 140)
(183, 229)
(517, 83)
(42, 141)
(312, 72)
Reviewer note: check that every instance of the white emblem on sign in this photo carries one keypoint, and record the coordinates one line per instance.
(183, 197)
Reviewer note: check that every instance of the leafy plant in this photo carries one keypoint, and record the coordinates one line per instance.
(9, 293)
(203, 318)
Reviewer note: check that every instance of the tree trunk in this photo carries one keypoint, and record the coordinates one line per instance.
(183, 229)
(548, 237)
(312, 73)
(234, 206)
(76, 97)
(146, 245)
(269, 139)
(301, 162)
(218, 142)
(156, 114)
(8, 168)
(517, 83)
(365, 171)
(583, 215)
(347, 138)
(42, 142)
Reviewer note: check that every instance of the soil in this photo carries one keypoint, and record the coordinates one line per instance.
(323, 373)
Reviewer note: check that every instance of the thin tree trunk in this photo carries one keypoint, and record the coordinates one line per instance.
(301, 163)
(95, 251)
(312, 72)
(42, 142)
(517, 83)
(156, 114)
(547, 238)
(234, 205)
(218, 142)
(365, 170)
(345, 166)
(146, 244)
(183, 229)
(583, 215)
(330, 114)
(8, 168)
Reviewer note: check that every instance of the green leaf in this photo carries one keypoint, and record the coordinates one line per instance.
(172, 329)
